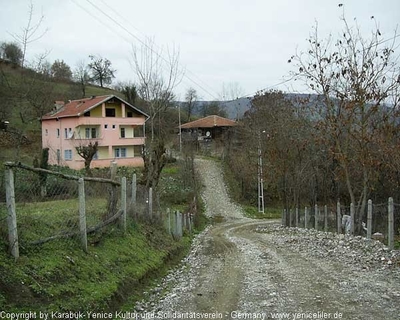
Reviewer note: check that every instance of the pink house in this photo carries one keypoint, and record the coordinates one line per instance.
(117, 126)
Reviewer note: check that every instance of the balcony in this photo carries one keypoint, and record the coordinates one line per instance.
(122, 142)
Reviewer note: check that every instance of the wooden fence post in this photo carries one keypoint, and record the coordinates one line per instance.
(123, 204)
(169, 220)
(338, 218)
(352, 211)
(12, 213)
(326, 218)
(82, 214)
(297, 217)
(316, 216)
(391, 224)
(305, 218)
(369, 220)
(113, 198)
(150, 203)
(283, 217)
(190, 222)
(133, 195)
(179, 225)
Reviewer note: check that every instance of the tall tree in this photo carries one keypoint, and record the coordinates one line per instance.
(81, 76)
(30, 33)
(157, 76)
(60, 70)
(12, 52)
(129, 90)
(354, 77)
(101, 71)
(190, 99)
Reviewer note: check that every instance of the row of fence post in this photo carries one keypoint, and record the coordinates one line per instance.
(177, 222)
(390, 236)
(12, 212)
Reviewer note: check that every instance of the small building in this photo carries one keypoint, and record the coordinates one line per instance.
(117, 127)
(208, 133)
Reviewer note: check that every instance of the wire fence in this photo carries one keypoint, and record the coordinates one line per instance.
(42, 205)
(379, 221)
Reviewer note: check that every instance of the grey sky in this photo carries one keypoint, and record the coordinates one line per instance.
(220, 41)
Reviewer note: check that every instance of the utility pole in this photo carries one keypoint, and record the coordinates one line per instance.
(260, 177)
(180, 129)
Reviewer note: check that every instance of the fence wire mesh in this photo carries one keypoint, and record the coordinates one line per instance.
(46, 206)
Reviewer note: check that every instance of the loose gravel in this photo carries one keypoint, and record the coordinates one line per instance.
(246, 269)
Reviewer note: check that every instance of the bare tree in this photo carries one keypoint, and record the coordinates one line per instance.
(190, 99)
(81, 76)
(157, 76)
(87, 152)
(101, 70)
(232, 91)
(30, 33)
(354, 77)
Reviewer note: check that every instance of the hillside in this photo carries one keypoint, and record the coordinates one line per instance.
(25, 96)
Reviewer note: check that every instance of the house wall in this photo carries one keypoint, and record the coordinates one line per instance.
(108, 131)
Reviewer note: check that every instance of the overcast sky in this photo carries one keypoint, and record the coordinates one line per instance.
(220, 41)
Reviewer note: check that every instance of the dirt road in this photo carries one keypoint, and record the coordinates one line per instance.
(246, 269)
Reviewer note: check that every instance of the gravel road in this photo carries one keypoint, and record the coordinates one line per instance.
(251, 269)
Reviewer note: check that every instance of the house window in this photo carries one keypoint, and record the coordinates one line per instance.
(120, 152)
(122, 132)
(68, 133)
(90, 133)
(65, 133)
(113, 126)
(106, 126)
(68, 154)
(110, 112)
(58, 133)
(129, 114)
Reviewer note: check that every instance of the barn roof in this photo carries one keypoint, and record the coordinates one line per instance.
(209, 122)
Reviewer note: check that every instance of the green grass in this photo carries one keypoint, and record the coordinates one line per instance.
(269, 213)
(60, 276)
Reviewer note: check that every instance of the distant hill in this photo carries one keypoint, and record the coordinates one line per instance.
(236, 108)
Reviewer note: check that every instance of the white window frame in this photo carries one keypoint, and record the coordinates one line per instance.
(120, 152)
(68, 154)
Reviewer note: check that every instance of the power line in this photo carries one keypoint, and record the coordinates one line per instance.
(145, 36)
(135, 37)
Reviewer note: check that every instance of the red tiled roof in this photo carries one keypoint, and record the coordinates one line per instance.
(209, 122)
(76, 108)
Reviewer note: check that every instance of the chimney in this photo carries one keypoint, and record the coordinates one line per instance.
(58, 105)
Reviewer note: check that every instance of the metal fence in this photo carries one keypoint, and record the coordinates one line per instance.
(379, 221)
